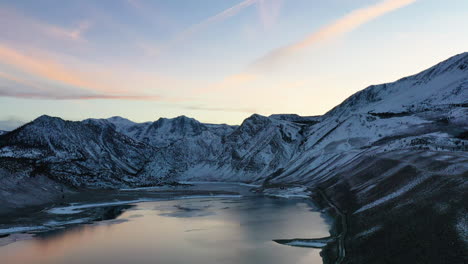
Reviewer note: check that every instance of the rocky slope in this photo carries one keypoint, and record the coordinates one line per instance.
(425, 111)
(387, 155)
(394, 158)
(74, 153)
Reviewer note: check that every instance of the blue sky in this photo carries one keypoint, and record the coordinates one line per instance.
(215, 60)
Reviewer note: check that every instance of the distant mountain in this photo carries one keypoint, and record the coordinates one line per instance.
(182, 142)
(254, 150)
(75, 153)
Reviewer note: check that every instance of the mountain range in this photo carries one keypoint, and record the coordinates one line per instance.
(385, 155)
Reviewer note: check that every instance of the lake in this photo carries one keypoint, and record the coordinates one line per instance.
(212, 229)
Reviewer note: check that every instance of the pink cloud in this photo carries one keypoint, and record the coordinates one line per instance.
(73, 79)
(52, 96)
(336, 29)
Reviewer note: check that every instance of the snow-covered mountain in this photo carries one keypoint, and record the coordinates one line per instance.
(164, 131)
(75, 153)
(427, 110)
(254, 150)
(181, 142)
(394, 157)
(386, 155)
(443, 85)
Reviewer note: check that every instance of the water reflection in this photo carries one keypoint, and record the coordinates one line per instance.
(182, 231)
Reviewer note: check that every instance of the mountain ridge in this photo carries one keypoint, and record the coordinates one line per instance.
(392, 157)
(262, 145)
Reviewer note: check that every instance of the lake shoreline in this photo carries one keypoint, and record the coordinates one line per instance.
(258, 216)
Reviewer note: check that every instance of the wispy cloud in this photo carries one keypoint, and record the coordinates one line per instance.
(232, 81)
(269, 11)
(229, 12)
(44, 78)
(45, 68)
(8, 92)
(21, 81)
(73, 34)
(336, 29)
(153, 14)
(192, 30)
(331, 31)
(15, 25)
(30, 90)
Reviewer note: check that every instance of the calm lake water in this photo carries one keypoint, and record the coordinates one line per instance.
(196, 231)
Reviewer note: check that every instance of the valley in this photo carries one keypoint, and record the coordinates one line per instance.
(393, 158)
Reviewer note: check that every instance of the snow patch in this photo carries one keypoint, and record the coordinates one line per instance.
(369, 231)
(294, 192)
(211, 182)
(312, 244)
(462, 227)
(53, 223)
(20, 229)
(393, 195)
(74, 209)
(209, 196)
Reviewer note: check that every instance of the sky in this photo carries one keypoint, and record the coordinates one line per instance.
(218, 61)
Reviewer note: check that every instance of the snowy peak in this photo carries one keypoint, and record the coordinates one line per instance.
(43, 129)
(255, 120)
(78, 153)
(257, 124)
(120, 121)
(287, 117)
(443, 85)
(181, 125)
(163, 131)
(455, 64)
(57, 135)
(310, 120)
(258, 147)
(252, 126)
(47, 121)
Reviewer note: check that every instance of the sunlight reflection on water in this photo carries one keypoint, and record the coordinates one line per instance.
(218, 230)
